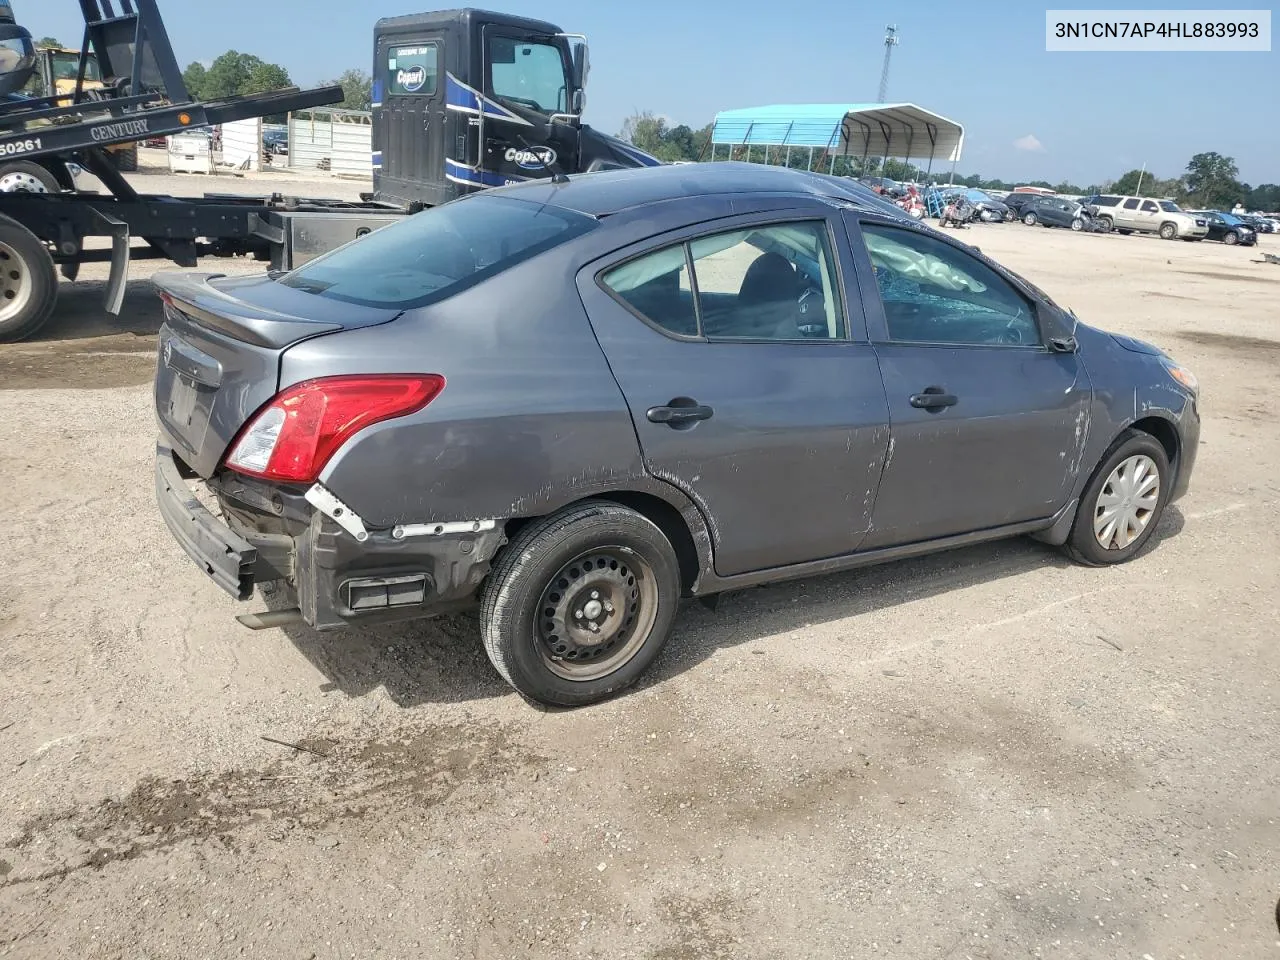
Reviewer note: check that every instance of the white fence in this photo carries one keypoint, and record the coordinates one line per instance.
(340, 141)
(242, 144)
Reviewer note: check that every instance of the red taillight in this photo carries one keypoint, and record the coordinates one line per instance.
(293, 436)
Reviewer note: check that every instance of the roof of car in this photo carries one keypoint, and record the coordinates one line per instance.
(608, 192)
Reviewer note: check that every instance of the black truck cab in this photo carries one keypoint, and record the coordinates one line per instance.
(469, 99)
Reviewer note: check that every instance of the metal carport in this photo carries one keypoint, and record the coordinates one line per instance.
(903, 131)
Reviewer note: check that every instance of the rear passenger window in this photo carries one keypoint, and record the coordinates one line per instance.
(656, 286)
(775, 282)
(1131, 204)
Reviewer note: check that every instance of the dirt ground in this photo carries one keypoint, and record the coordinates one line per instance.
(989, 753)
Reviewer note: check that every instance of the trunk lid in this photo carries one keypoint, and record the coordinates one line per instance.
(219, 353)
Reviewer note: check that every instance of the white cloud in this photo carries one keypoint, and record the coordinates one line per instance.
(1029, 143)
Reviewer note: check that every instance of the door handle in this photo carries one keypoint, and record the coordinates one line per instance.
(678, 415)
(934, 399)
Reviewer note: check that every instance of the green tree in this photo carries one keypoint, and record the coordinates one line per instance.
(195, 77)
(1264, 197)
(46, 42)
(266, 77)
(235, 74)
(1213, 181)
(357, 89)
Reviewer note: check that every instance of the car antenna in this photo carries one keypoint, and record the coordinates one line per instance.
(557, 175)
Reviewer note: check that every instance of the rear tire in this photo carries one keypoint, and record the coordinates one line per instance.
(580, 604)
(1030, 219)
(1120, 484)
(28, 282)
(23, 176)
(126, 160)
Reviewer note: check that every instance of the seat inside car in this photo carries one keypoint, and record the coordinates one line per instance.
(768, 301)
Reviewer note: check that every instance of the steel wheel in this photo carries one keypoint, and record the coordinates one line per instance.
(15, 283)
(20, 181)
(1127, 503)
(596, 613)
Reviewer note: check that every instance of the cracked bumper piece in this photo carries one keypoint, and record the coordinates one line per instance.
(335, 570)
(232, 561)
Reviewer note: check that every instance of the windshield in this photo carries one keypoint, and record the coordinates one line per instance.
(66, 66)
(976, 195)
(530, 74)
(1168, 206)
(439, 252)
(1231, 221)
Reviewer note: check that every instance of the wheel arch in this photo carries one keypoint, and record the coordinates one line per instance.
(1166, 433)
(680, 521)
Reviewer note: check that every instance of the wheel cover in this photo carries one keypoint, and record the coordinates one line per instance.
(1127, 502)
(15, 283)
(19, 181)
(596, 613)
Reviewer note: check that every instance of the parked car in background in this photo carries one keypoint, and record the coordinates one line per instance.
(982, 205)
(1018, 202)
(1054, 212)
(1127, 214)
(1228, 228)
(1259, 223)
(572, 404)
(886, 187)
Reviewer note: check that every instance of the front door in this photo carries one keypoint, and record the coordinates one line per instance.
(751, 396)
(409, 118)
(988, 424)
(527, 80)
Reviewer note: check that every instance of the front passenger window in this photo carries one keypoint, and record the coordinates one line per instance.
(934, 293)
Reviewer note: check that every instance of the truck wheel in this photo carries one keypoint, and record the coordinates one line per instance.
(126, 159)
(1106, 225)
(28, 283)
(580, 603)
(23, 176)
(1168, 231)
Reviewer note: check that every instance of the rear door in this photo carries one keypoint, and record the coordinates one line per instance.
(988, 425)
(749, 379)
(409, 117)
(1127, 214)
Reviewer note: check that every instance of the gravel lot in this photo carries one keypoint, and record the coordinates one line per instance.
(989, 753)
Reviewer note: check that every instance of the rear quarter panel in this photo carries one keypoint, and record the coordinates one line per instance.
(530, 417)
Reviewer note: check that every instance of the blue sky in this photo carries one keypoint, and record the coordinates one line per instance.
(1094, 115)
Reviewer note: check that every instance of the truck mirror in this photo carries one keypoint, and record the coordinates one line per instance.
(581, 65)
(579, 101)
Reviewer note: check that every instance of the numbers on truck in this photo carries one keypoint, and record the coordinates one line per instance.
(20, 146)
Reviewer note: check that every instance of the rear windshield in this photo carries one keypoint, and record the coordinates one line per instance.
(434, 254)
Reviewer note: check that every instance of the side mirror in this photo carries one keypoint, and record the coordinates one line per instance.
(581, 65)
(579, 101)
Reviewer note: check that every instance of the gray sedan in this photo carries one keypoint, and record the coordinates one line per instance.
(574, 404)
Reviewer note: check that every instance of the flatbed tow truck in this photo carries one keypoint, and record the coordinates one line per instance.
(436, 136)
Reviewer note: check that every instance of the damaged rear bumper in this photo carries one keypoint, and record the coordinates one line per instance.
(334, 570)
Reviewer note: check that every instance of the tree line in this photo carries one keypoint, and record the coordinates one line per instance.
(1211, 180)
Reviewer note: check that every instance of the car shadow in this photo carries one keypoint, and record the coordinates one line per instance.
(442, 660)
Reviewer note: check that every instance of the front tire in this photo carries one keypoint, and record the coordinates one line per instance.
(1077, 224)
(580, 604)
(1230, 239)
(1123, 502)
(1168, 232)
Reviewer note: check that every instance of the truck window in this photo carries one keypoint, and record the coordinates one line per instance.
(1148, 206)
(529, 74)
(1131, 204)
(66, 66)
(412, 70)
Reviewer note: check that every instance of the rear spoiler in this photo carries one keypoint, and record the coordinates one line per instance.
(192, 294)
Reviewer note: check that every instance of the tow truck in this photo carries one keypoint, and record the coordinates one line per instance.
(463, 100)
